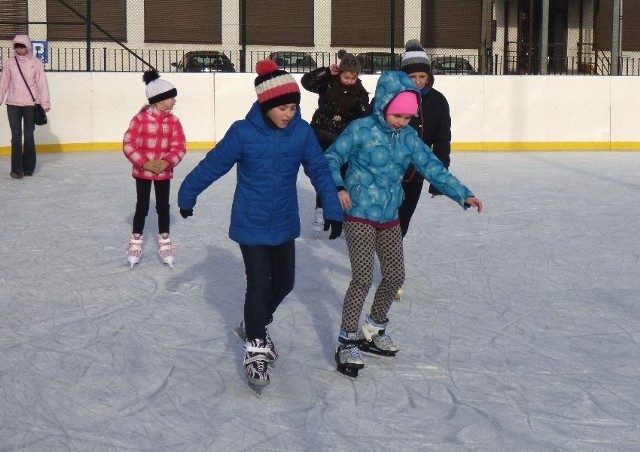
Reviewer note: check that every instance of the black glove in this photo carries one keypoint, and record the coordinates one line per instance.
(186, 213)
(336, 228)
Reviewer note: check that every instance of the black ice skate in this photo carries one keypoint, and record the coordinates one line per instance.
(375, 341)
(272, 354)
(256, 364)
(348, 358)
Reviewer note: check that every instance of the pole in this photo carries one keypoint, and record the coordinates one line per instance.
(544, 38)
(616, 43)
(88, 35)
(243, 35)
(393, 30)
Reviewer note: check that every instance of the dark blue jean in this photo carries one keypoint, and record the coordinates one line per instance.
(23, 159)
(270, 272)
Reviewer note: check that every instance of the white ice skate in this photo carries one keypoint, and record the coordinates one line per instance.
(375, 340)
(318, 221)
(134, 251)
(166, 249)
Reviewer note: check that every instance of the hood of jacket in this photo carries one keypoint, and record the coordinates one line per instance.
(390, 84)
(23, 39)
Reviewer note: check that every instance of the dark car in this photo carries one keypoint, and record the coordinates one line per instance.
(292, 61)
(451, 65)
(204, 61)
(376, 62)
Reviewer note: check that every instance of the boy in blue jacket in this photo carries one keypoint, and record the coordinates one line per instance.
(378, 149)
(267, 148)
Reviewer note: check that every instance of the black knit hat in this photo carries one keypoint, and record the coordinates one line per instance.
(414, 58)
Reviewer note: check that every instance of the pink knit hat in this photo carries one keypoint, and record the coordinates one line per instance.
(405, 103)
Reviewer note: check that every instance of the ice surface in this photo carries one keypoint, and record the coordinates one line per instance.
(519, 330)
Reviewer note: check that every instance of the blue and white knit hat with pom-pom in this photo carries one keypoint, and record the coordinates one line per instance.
(157, 90)
(414, 58)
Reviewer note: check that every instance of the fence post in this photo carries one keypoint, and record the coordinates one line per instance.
(616, 43)
(88, 25)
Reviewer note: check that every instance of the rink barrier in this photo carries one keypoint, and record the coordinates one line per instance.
(489, 113)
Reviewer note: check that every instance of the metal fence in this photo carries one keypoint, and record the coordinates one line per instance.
(510, 45)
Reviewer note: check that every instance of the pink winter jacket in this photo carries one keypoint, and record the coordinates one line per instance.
(13, 87)
(154, 135)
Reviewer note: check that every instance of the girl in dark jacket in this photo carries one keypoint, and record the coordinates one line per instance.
(342, 98)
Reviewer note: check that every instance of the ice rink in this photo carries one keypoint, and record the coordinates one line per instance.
(519, 331)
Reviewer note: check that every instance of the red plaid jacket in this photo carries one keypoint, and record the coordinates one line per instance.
(154, 135)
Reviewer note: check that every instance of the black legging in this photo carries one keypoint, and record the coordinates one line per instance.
(270, 272)
(143, 192)
(412, 191)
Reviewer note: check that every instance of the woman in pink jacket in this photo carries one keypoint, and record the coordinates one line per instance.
(21, 106)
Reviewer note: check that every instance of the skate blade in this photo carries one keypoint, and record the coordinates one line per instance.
(239, 331)
(348, 371)
(257, 386)
(377, 352)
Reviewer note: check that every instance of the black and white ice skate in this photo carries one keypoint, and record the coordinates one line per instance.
(256, 364)
(375, 341)
(272, 354)
(348, 360)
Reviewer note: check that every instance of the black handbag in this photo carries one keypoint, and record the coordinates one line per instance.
(40, 116)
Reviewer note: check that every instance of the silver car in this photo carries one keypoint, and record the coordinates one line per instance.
(451, 65)
(294, 61)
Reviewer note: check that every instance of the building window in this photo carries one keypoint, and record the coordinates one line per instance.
(68, 24)
(13, 14)
(183, 21)
(279, 22)
(451, 24)
(357, 23)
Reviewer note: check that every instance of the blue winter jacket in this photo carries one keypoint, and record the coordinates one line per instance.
(265, 203)
(378, 157)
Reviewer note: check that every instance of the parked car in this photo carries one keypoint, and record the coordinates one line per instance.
(294, 61)
(204, 61)
(451, 65)
(376, 62)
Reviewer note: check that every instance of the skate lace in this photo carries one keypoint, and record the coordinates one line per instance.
(384, 341)
(351, 352)
(135, 247)
(165, 247)
(257, 357)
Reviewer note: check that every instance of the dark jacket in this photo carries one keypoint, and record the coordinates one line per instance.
(433, 125)
(267, 159)
(338, 105)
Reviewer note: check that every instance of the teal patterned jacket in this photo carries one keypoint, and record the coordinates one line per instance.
(378, 157)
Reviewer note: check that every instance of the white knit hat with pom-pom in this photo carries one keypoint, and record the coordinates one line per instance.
(157, 90)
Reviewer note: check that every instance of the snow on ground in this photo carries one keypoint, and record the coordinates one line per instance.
(519, 330)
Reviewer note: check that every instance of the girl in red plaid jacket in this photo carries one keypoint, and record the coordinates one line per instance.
(154, 143)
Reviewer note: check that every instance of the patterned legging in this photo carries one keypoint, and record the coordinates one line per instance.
(363, 241)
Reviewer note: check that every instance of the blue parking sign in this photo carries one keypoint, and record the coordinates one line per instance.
(41, 50)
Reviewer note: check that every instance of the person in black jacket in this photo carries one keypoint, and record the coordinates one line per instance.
(342, 98)
(433, 124)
